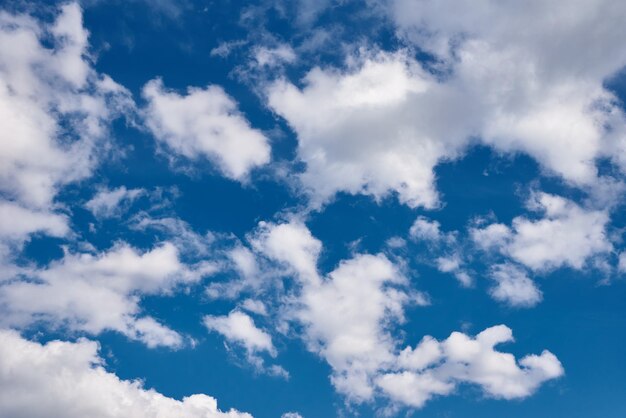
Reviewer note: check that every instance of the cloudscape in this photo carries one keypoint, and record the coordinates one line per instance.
(312, 208)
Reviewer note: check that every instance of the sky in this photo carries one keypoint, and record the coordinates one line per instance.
(303, 209)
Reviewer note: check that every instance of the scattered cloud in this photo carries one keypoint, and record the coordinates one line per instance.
(205, 123)
(513, 286)
(109, 203)
(567, 235)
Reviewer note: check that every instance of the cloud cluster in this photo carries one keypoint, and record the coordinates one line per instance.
(369, 294)
(503, 75)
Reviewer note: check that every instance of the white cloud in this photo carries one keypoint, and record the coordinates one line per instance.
(513, 286)
(17, 222)
(383, 123)
(273, 57)
(108, 203)
(93, 293)
(491, 237)
(436, 368)
(54, 108)
(369, 293)
(453, 264)
(239, 328)
(177, 231)
(254, 306)
(567, 235)
(426, 230)
(429, 232)
(364, 293)
(291, 415)
(533, 72)
(291, 244)
(205, 123)
(622, 262)
(357, 131)
(35, 378)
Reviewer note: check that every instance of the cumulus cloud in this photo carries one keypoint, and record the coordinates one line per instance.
(424, 229)
(369, 294)
(35, 380)
(382, 123)
(442, 247)
(205, 123)
(436, 368)
(239, 328)
(358, 132)
(55, 111)
(18, 222)
(365, 292)
(513, 286)
(93, 293)
(566, 235)
(54, 107)
(108, 203)
(519, 65)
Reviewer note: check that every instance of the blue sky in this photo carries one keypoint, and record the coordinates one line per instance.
(312, 209)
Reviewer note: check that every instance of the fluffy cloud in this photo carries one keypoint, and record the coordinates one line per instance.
(93, 293)
(436, 368)
(365, 292)
(362, 292)
(567, 235)
(534, 71)
(369, 294)
(424, 229)
(35, 378)
(358, 131)
(108, 203)
(54, 107)
(205, 123)
(55, 110)
(17, 222)
(428, 232)
(239, 328)
(292, 245)
(513, 286)
(503, 76)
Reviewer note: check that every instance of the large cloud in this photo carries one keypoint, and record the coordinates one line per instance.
(503, 76)
(65, 379)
